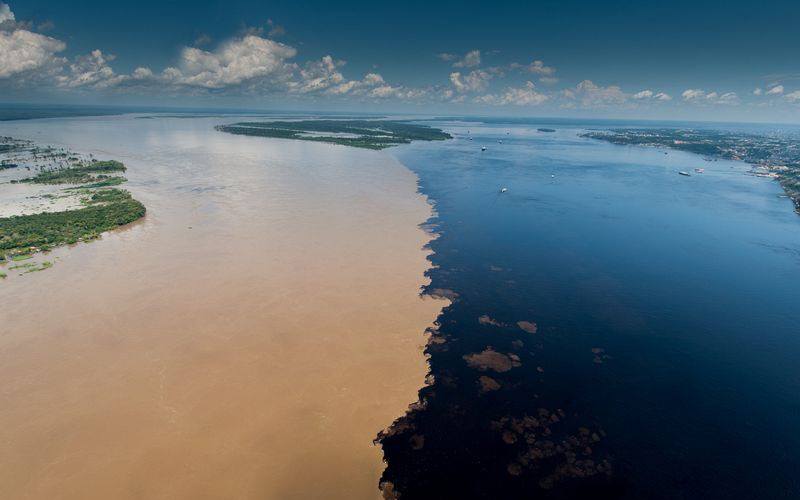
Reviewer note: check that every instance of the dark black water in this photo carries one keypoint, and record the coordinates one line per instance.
(666, 361)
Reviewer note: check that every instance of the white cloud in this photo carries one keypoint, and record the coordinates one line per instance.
(91, 70)
(590, 95)
(318, 76)
(703, 97)
(6, 14)
(470, 60)
(247, 60)
(728, 98)
(142, 73)
(536, 67)
(793, 96)
(776, 90)
(693, 94)
(649, 95)
(758, 91)
(444, 56)
(23, 52)
(517, 96)
(475, 81)
(548, 80)
(387, 91)
(358, 87)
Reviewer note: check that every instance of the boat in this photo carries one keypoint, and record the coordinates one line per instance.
(699, 170)
(483, 148)
(503, 190)
(687, 174)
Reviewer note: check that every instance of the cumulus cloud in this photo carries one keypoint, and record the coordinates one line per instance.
(776, 90)
(693, 94)
(475, 81)
(358, 87)
(548, 80)
(470, 60)
(526, 95)
(91, 70)
(703, 97)
(26, 56)
(5, 13)
(536, 67)
(398, 92)
(757, 91)
(318, 76)
(23, 53)
(649, 95)
(249, 59)
(793, 96)
(590, 95)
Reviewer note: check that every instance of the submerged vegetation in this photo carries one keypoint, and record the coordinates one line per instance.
(96, 205)
(772, 155)
(95, 172)
(369, 134)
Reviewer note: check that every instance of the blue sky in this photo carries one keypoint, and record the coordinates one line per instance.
(730, 60)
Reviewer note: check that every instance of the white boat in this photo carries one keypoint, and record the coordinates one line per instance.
(483, 148)
(503, 190)
(687, 174)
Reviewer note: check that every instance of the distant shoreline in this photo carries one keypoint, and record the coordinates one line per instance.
(769, 156)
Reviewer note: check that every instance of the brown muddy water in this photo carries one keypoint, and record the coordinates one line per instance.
(247, 339)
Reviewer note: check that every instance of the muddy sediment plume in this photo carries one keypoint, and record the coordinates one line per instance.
(247, 339)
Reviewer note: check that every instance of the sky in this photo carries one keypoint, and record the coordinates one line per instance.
(700, 60)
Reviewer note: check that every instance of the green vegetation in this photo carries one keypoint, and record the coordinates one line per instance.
(32, 267)
(104, 207)
(369, 134)
(78, 174)
(105, 210)
(107, 182)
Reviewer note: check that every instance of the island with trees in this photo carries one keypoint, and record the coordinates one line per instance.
(369, 134)
(69, 198)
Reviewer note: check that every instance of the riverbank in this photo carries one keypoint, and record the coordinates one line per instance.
(248, 339)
